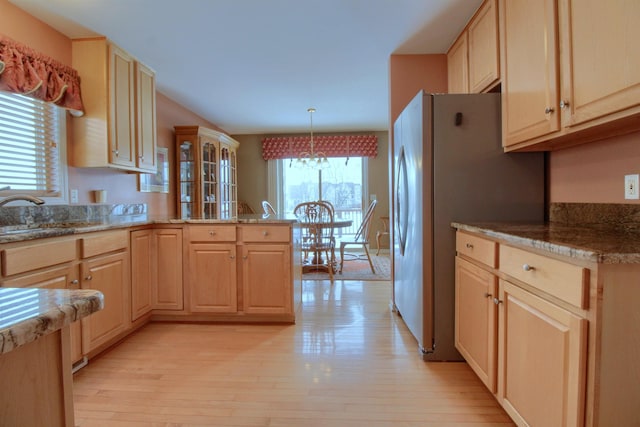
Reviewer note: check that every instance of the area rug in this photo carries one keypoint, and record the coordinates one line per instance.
(358, 270)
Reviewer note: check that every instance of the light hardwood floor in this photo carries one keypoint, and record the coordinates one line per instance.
(349, 361)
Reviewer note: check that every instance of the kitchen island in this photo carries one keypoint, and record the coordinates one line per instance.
(35, 365)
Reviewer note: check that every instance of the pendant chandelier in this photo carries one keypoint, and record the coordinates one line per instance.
(310, 159)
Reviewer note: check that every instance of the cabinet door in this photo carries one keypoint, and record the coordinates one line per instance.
(167, 290)
(122, 108)
(484, 65)
(59, 278)
(141, 272)
(530, 84)
(145, 117)
(107, 274)
(542, 360)
(212, 278)
(457, 66)
(266, 279)
(601, 67)
(476, 321)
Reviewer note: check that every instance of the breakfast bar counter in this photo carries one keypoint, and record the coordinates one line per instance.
(35, 361)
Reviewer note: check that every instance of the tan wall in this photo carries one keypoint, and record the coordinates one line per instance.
(410, 73)
(252, 173)
(594, 172)
(121, 187)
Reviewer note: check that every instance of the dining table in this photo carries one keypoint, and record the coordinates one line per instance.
(317, 263)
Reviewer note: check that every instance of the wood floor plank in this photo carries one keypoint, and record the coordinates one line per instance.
(348, 361)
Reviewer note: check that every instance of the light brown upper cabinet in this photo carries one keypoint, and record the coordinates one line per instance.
(484, 48)
(458, 66)
(570, 72)
(529, 74)
(118, 128)
(473, 60)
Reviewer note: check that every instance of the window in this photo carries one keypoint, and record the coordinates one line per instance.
(341, 184)
(32, 147)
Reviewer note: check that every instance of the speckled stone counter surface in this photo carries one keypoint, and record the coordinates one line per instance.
(29, 313)
(602, 232)
(36, 222)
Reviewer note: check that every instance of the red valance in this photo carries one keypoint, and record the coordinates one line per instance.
(290, 147)
(27, 72)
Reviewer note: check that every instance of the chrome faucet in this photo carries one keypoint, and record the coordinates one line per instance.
(28, 198)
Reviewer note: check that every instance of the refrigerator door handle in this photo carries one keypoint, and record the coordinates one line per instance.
(402, 201)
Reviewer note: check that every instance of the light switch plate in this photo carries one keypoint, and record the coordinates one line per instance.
(74, 195)
(631, 186)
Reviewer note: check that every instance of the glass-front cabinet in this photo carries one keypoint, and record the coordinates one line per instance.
(207, 173)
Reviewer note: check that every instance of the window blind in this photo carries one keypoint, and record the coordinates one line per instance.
(29, 152)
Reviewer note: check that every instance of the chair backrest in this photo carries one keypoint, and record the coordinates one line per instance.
(316, 219)
(362, 235)
(268, 209)
(328, 203)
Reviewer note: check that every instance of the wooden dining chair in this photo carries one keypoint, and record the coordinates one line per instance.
(267, 208)
(361, 238)
(316, 220)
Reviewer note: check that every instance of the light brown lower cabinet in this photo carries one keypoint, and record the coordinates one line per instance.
(266, 279)
(167, 289)
(541, 360)
(105, 267)
(142, 254)
(566, 353)
(212, 278)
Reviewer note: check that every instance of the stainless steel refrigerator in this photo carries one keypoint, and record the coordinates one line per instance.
(449, 165)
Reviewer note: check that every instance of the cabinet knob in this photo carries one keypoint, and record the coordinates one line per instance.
(527, 267)
(116, 152)
(265, 233)
(212, 233)
(141, 158)
(469, 245)
(245, 257)
(75, 282)
(232, 257)
(496, 301)
(564, 104)
(549, 110)
(487, 295)
(89, 277)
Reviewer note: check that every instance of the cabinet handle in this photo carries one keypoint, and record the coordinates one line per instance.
(487, 295)
(212, 233)
(75, 282)
(469, 245)
(564, 104)
(527, 267)
(549, 110)
(89, 277)
(496, 301)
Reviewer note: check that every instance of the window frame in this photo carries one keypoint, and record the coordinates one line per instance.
(60, 116)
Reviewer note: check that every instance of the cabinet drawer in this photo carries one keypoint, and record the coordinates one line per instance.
(104, 242)
(477, 248)
(33, 257)
(213, 233)
(566, 281)
(271, 233)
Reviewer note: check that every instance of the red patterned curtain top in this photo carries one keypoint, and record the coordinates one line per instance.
(27, 72)
(288, 147)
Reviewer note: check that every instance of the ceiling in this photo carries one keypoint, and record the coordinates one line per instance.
(255, 66)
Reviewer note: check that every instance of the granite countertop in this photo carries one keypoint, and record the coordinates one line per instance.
(10, 234)
(26, 314)
(602, 245)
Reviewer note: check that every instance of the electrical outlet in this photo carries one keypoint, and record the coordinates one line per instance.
(631, 186)
(74, 195)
